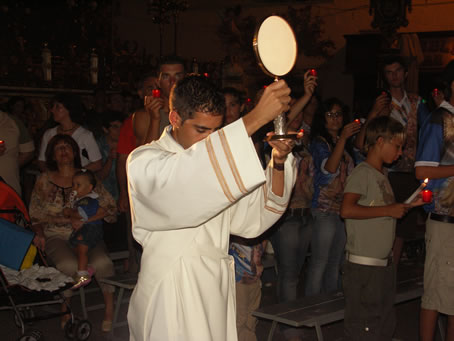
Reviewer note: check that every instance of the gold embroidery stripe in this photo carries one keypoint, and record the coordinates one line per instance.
(269, 208)
(217, 170)
(232, 164)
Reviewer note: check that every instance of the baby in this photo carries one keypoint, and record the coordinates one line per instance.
(84, 207)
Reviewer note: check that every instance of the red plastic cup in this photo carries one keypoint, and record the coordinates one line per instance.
(156, 93)
(313, 72)
(427, 195)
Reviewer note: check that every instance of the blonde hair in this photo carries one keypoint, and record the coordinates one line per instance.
(383, 126)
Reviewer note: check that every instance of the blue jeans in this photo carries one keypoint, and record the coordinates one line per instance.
(290, 244)
(327, 247)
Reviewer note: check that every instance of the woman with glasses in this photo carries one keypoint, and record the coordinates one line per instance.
(332, 153)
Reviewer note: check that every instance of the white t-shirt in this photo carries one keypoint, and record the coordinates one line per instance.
(89, 150)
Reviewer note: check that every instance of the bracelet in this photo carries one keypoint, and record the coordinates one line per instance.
(278, 166)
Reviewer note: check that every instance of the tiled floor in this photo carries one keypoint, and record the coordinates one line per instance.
(407, 315)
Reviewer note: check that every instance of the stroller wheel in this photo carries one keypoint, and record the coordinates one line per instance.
(32, 335)
(82, 330)
(70, 327)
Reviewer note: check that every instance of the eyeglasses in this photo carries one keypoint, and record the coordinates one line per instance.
(334, 114)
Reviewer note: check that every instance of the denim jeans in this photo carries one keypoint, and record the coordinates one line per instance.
(290, 244)
(327, 248)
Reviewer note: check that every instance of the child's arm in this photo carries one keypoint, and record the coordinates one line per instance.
(350, 209)
(77, 222)
(100, 214)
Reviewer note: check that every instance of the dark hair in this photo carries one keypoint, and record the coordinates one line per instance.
(51, 164)
(394, 58)
(144, 77)
(196, 93)
(447, 79)
(170, 60)
(12, 101)
(110, 116)
(383, 126)
(234, 92)
(88, 174)
(318, 128)
(73, 104)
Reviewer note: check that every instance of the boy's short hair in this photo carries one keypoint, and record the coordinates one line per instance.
(394, 58)
(88, 174)
(235, 93)
(383, 126)
(171, 60)
(196, 94)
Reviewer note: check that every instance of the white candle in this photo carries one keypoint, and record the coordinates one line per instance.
(418, 190)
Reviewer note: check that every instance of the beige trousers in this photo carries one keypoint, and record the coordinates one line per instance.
(247, 300)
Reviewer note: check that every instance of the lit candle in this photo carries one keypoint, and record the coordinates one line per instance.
(427, 195)
(156, 93)
(313, 72)
(418, 190)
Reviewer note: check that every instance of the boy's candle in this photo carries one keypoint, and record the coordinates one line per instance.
(358, 121)
(313, 72)
(418, 190)
(2, 142)
(427, 195)
(156, 93)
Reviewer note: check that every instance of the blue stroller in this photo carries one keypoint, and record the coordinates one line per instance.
(15, 241)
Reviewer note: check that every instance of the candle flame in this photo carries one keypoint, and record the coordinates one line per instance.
(426, 180)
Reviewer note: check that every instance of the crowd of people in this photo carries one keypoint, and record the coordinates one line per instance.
(198, 188)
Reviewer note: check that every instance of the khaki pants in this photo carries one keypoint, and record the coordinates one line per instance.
(439, 268)
(247, 300)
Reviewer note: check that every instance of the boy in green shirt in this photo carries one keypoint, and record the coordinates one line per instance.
(370, 213)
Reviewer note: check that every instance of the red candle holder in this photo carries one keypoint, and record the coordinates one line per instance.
(1, 142)
(313, 72)
(435, 92)
(358, 121)
(427, 195)
(156, 93)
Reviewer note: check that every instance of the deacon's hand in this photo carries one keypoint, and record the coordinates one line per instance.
(274, 101)
(281, 148)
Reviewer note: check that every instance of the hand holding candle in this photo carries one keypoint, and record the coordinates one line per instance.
(418, 190)
(2, 147)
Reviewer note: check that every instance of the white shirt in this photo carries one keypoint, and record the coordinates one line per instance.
(85, 140)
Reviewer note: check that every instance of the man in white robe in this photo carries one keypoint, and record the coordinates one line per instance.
(189, 191)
